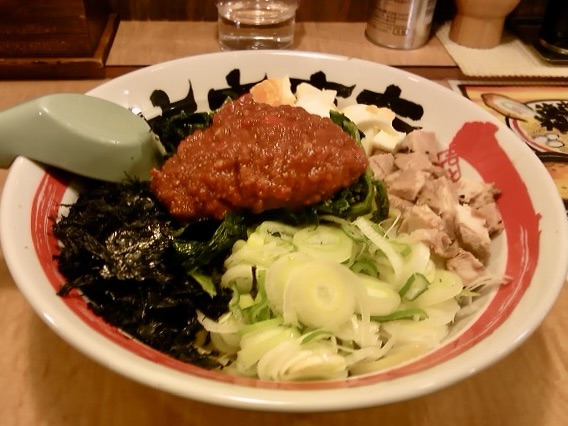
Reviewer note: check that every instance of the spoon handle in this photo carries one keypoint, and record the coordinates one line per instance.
(82, 134)
(21, 126)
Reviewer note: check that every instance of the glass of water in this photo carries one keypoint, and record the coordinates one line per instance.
(256, 24)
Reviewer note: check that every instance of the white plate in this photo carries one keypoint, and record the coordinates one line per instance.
(533, 250)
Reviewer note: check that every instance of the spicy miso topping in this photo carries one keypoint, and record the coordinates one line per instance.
(256, 157)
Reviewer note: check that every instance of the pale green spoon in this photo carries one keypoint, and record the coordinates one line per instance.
(82, 134)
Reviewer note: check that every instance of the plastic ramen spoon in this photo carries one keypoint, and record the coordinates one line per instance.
(82, 134)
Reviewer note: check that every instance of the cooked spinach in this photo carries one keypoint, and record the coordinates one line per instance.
(196, 253)
(364, 196)
(382, 205)
(346, 124)
(171, 130)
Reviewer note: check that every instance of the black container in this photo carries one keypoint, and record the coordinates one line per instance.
(554, 30)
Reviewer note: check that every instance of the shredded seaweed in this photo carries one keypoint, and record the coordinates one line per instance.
(117, 250)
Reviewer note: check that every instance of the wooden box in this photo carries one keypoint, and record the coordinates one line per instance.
(51, 28)
(55, 38)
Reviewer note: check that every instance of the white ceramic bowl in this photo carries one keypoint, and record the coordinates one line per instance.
(533, 250)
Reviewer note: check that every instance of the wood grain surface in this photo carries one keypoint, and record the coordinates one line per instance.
(140, 43)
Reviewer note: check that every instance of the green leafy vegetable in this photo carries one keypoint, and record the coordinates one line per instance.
(172, 130)
(195, 253)
(364, 196)
(346, 124)
(381, 198)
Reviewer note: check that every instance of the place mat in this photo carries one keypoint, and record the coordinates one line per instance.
(536, 113)
(512, 58)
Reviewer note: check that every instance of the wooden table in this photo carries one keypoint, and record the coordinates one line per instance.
(43, 381)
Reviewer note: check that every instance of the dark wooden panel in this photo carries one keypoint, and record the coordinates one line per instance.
(310, 10)
(51, 28)
(204, 10)
(52, 67)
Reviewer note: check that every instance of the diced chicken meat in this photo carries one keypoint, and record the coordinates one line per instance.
(466, 266)
(406, 184)
(438, 241)
(440, 195)
(423, 142)
(472, 232)
(476, 193)
(493, 219)
(413, 161)
(420, 217)
(456, 220)
(398, 203)
(382, 165)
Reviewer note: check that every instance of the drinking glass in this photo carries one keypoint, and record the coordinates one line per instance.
(256, 24)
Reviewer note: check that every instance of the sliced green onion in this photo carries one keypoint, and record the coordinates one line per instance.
(324, 242)
(416, 314)
(315, 335)
(277, 230)
(256, 343)
(240, 275)
(365, 266)
(403, 248)
(445, 285)
(205, 282)
(321, 295)
(383, 245)
(415, 285)
(346, 226)
(274, 322)
(377, 298)
(279, 276)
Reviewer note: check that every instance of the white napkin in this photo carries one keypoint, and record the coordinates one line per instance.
(512, 58)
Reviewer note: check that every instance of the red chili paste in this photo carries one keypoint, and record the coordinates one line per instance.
(257, 157)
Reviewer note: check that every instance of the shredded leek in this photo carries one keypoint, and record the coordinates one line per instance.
(323, 301)
(317, 302)
(393, 256)
(324, 242)
(416, 284)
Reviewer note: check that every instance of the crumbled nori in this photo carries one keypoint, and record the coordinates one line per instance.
(117, 249)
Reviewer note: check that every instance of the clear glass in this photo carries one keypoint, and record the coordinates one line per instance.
(256, 24)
